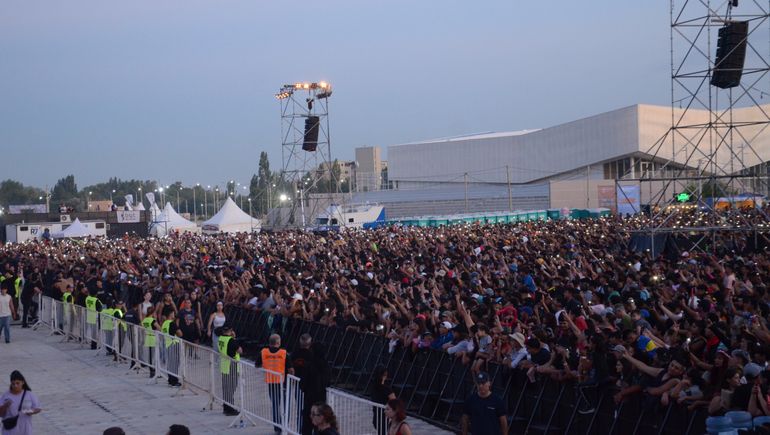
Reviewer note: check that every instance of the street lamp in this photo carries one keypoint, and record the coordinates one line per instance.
(139, 195)
(197, 185)
(251, 217)
(89, 200)
(111, 193)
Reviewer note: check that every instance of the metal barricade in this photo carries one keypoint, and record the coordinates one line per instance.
(196, 368)
(46, 313)
(171, 353)
(263, 395)
(293, 411)
(356, 415)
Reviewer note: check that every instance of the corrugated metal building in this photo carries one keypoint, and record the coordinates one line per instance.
(549, 167)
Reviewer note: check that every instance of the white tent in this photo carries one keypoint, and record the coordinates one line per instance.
(76, 229)
(170, 221)
(156, 213)
(230, 219)
(139, 206)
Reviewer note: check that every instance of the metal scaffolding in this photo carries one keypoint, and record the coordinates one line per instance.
(709, 151)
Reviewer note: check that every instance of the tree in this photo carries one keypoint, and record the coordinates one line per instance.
(65, 191)
(14, 193)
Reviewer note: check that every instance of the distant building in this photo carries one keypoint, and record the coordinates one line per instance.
(368, 169)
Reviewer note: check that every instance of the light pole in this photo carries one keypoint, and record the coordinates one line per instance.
(251, 218)
(195, 204)
(112, 193)
(139, 195)
(206, 200)
(160, 191)
(89, 200)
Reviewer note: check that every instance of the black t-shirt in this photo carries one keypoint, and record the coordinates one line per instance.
(172, 328)
(189, 330)
(302, 360)
(328, 431)
(380, 393)
(131, 317)
(541, 357)
(484, 414)
(741, 396)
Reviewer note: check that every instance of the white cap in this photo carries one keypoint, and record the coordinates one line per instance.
(354, 281)
(297, 296)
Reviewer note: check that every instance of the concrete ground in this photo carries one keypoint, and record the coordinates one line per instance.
(83, 393)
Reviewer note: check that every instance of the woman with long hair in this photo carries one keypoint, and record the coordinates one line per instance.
(17, 406)
(216, 320)
(395, 410)
(324, 420)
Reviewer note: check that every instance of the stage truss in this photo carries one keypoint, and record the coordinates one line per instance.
(303, 170)
(709, 151)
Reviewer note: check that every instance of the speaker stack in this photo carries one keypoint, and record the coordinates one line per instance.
(731, 54)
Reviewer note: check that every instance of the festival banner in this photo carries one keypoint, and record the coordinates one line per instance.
(628, 199)
(128, 216)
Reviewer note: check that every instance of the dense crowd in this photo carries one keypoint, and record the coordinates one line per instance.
(562, 299)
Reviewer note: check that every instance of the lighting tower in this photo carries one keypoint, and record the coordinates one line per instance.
(306, 148)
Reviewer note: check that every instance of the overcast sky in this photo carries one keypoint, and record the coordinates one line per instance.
(183, 89)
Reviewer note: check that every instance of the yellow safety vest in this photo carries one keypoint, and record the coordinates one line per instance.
(91, 310)
(165, 327)
(224, 359)
(17, 286)
(119, 315)
(149, 337)
(67, 297)
(107, 321)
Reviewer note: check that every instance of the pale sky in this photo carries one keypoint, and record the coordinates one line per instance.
(183, 89)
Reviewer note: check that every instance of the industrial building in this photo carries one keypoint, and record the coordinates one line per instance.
(568, 165)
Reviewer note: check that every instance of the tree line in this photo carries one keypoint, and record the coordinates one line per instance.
(262, 192)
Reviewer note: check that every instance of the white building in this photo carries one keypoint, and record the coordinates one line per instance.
(563, 165)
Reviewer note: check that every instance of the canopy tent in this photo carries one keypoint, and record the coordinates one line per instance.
(76, 229)
(155, 213)
(230, 219)
(169, 221)
(139, 207)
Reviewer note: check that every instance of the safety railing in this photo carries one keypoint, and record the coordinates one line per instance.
(433, 384)
(357, 415)
(255, 394)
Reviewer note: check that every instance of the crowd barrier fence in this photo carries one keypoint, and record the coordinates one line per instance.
(255, 393)
(433, 384)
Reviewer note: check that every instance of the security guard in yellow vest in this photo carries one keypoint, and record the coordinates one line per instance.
(68, 312)
(276, 360)
(117, 313)
(93, 306)
(108, 323)
(230, 353)
(171, 331)
(150, 326)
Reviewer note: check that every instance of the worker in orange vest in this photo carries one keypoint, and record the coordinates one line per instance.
(276, 363)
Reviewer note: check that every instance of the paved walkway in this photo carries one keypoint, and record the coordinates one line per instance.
(83, 393)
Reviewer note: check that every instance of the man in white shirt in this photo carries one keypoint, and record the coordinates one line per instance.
(7, 310)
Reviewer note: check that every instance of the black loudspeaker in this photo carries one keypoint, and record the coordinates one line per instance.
(731, 54)
(311, 133)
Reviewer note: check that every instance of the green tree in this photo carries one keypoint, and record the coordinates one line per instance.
(65, 191)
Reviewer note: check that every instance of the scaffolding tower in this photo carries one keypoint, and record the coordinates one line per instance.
(708, 156)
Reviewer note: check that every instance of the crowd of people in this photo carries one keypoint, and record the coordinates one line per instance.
(562, 299)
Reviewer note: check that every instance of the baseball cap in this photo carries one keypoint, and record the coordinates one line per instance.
(482, 378)
(752, 370)
(447, 325)
(619, 348)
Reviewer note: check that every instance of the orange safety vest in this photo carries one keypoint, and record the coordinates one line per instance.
(275, 362)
